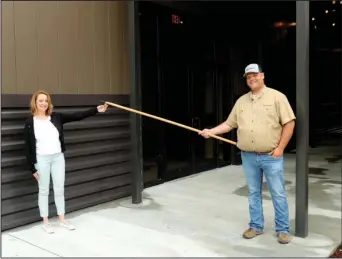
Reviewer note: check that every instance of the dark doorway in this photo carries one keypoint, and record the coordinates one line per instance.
(176, 93)
(192, 67)
(198, 67)
(180, 82)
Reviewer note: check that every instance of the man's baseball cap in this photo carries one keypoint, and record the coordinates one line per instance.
(252, 68)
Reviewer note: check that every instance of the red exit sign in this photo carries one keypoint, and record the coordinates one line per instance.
(175, 19)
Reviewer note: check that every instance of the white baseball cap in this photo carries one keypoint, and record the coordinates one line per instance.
(252, 68)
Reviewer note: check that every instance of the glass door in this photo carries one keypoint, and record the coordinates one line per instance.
(151, 134)
(175, 94)
(204, 110)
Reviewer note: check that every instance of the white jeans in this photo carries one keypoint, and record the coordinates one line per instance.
(53, 165)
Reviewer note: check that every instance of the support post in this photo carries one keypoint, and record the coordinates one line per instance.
(302, 110)
(0, 106)
(135, 102)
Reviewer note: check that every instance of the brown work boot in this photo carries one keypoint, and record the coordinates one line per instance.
(283, 238)
(251, 233)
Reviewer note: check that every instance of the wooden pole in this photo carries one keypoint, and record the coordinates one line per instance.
(167, 121)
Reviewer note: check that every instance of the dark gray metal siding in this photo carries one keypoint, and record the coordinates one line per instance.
(98, 164)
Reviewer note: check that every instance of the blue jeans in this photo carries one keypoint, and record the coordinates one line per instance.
(254, 166)
(51, 166)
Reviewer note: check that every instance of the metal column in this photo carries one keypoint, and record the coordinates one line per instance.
(0, 101)
(135, 102)
(302, 127)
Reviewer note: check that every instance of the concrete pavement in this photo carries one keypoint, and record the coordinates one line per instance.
(202, 215)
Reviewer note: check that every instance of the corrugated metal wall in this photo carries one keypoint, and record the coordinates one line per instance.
(98, 167)
(65, 47)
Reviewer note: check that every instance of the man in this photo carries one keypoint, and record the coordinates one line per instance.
(265, 121)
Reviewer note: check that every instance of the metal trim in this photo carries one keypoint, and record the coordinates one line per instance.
(23, 100)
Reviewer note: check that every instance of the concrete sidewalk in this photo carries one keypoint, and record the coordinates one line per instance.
(203, 215)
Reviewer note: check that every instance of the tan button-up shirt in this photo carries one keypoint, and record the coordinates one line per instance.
(259, 120)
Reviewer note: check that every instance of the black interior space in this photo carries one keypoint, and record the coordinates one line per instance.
(193, 56)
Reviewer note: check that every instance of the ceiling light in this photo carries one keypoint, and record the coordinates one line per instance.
(326, 11)
(313, 18)
(333, 24)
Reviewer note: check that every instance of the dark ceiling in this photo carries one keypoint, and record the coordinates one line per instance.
(267, 10)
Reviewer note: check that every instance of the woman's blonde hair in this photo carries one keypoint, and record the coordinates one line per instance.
(34, 102)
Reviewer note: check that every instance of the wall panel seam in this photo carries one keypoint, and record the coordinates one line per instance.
(110, 49)
(93, 40)
(58, 48)
(37, 38)
(15, 51)
(77, 51)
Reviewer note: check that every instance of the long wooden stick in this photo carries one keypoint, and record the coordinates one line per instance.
(167, 121)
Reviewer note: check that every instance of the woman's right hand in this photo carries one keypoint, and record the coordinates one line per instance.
(36, 175)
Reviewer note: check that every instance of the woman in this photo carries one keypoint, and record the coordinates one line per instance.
(44, 142)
